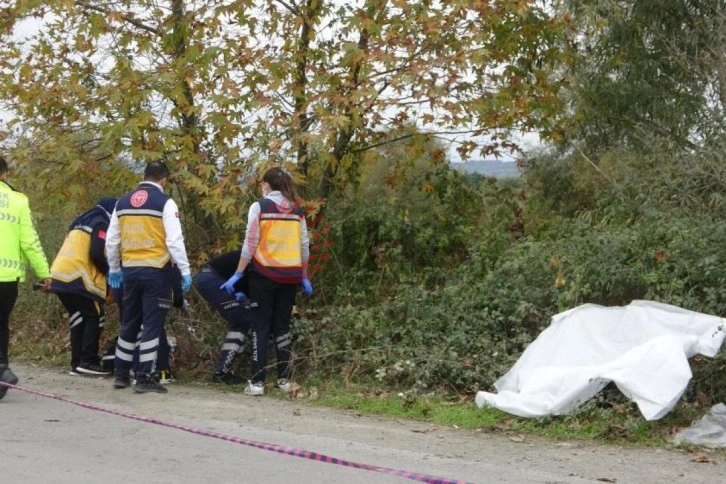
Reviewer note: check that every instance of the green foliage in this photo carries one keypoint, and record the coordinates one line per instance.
(616, 421)
(221, 89)
(410, 214)
(458, 318)
(426, 280)
(644, 75)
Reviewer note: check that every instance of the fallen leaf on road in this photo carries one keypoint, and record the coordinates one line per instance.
(296, 391)
(700, 458)
(606, 479)
(517, 438)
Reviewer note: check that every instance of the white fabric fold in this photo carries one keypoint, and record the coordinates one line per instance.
(642, 347)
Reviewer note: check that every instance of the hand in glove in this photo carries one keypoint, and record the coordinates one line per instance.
(115, 278)
(229, 285)
(186, 283)
(307, 288)
(240, 296)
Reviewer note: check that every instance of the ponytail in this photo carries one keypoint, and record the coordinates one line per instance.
(280, 180)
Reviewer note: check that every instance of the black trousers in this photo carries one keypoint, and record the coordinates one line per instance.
(163, 357)
(275, 301)
(8, 296)
(146, 303)
(235, 313)
(85, 317)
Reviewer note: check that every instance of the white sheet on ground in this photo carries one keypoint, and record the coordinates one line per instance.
(709, 431)
(642, 347)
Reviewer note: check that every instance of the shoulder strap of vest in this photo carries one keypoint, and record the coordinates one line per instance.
(265, 204)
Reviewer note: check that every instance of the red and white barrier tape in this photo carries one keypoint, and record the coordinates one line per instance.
(415, 476)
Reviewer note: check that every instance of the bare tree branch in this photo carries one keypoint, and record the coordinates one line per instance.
(291, 7)
(126, 17)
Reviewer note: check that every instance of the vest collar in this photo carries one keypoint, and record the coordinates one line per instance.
(146, 182)
(10, 187)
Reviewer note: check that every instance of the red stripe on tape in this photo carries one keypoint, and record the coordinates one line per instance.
(306, 454)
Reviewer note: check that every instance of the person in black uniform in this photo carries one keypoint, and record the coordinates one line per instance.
(144, 242)
(234, 308)
(78, 278)
(162, 373)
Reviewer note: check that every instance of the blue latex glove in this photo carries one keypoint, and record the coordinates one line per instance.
(229, 285)
(115, 278)
(240, 296)
(307, 288)
(186, 283)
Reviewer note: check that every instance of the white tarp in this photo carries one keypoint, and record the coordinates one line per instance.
(709, 431)
(642, 347)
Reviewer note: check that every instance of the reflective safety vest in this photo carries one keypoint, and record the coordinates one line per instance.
(18, 239)
(73, 271)
(279, 255)
(141, 225)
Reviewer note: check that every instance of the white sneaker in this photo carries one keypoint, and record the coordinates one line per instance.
(285, 385)
(255, 389)
(92, 370)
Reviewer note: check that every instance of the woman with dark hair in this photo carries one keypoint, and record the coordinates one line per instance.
(276, 249)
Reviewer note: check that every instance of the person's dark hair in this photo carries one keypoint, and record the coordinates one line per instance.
(280, 180)
(156, 171)
(3, 165)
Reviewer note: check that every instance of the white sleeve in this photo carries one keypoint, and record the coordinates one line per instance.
(113, 244)
(305, 241)
(252, 233)
(175, 238)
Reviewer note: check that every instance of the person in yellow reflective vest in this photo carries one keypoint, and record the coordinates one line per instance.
(276, 249)
(19, 245)
(144, 238)
(79, 279)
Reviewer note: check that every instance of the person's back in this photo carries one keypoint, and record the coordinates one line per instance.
(81, 266)
(276, 250)
(19, 244)
(144, 238)
(79, 279)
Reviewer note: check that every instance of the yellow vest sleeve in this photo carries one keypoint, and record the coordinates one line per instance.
(30, 243)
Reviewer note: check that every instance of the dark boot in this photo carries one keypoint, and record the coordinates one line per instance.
(149, 385)
(228, 379)
(121, 382)
(6, 376)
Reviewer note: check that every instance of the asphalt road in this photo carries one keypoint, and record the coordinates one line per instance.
(48, 439)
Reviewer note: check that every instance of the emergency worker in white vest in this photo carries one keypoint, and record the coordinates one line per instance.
(79, 279)
(19, 244)
(144, 238)
(276, 249)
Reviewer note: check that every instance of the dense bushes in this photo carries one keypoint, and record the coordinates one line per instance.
(438, 281)
(461, 315)
(470, 327)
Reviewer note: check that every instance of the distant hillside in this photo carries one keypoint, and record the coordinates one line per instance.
(495, 168)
